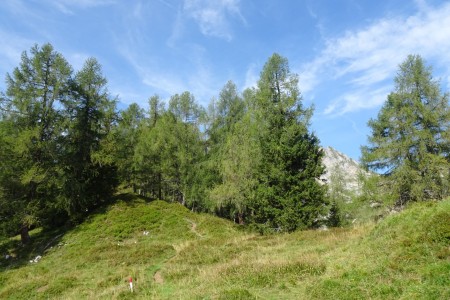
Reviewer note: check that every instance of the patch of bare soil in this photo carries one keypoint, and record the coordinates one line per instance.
(158, 278)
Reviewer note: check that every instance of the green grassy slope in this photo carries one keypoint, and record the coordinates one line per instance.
(196, 256)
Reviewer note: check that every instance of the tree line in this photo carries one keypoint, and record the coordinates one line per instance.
(250, 157)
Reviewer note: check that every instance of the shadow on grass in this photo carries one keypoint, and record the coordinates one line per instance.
(41, 241)
(13, 254)
(130, 198)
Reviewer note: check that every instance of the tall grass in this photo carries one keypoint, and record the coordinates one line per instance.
(196, 256)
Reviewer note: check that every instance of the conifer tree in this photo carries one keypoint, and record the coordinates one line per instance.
(169, 149)
(125, 137)
(31, 129)
(410, 139)
(90, 174)
(289, 196)
(238, 167)
(225, 138)
(147, 157)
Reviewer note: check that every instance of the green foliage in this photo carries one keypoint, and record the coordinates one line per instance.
(125, 137)
(253, 159)
(168, 153)
(31, 128)
(229, 144)
(90, 177)
(223, 114)
(267, 161)
(240, 161)
(156, 109)
(410, 138)
(53, 126)
(185, 108)
(256, 162)
(334, 216)
(288, 196)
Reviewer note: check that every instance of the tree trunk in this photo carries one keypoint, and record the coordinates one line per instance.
(24, 235)
(159, 186)
(241, 219)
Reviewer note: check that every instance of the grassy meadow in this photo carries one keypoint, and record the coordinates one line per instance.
(198, 256)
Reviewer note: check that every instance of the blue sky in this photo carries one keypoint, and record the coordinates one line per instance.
(346, 52)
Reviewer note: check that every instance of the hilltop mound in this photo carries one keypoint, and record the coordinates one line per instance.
(130, 239)
(406, 256)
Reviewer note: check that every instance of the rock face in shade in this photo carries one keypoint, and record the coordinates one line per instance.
(337, 162)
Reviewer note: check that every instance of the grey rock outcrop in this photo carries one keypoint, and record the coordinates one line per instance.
(341, 167)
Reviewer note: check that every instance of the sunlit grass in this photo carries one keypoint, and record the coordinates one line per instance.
(198, 256)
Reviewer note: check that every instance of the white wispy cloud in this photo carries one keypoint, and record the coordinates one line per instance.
(360, 98)
(177, 29)
(167, 3)
(213, 16)
(251, 76)
(167, 81)
(24, 14)
(67, 6)
(11, 51)
(372, 55)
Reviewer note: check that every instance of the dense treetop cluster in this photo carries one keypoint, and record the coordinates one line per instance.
(250, 157)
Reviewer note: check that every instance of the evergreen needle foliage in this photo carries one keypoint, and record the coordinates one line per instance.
(53, 124)
(410, 140)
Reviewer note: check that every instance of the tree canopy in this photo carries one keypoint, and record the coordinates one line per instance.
(52, 124)
(250, 157)
(410, 140)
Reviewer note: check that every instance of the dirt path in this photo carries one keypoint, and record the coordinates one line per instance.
(194, 228)
(157, 277)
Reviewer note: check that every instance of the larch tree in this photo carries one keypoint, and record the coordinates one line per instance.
(223, 114)
(31, 129)
(147, 157)
(90, 173)
(185, 108)
(156, 109)
(152, 152)
(410, 139)
(227, 111)
(238, 167)
(169, 149)
(189, 149)
(125, 137)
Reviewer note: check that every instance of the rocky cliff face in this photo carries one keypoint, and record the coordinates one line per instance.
(340, 167)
